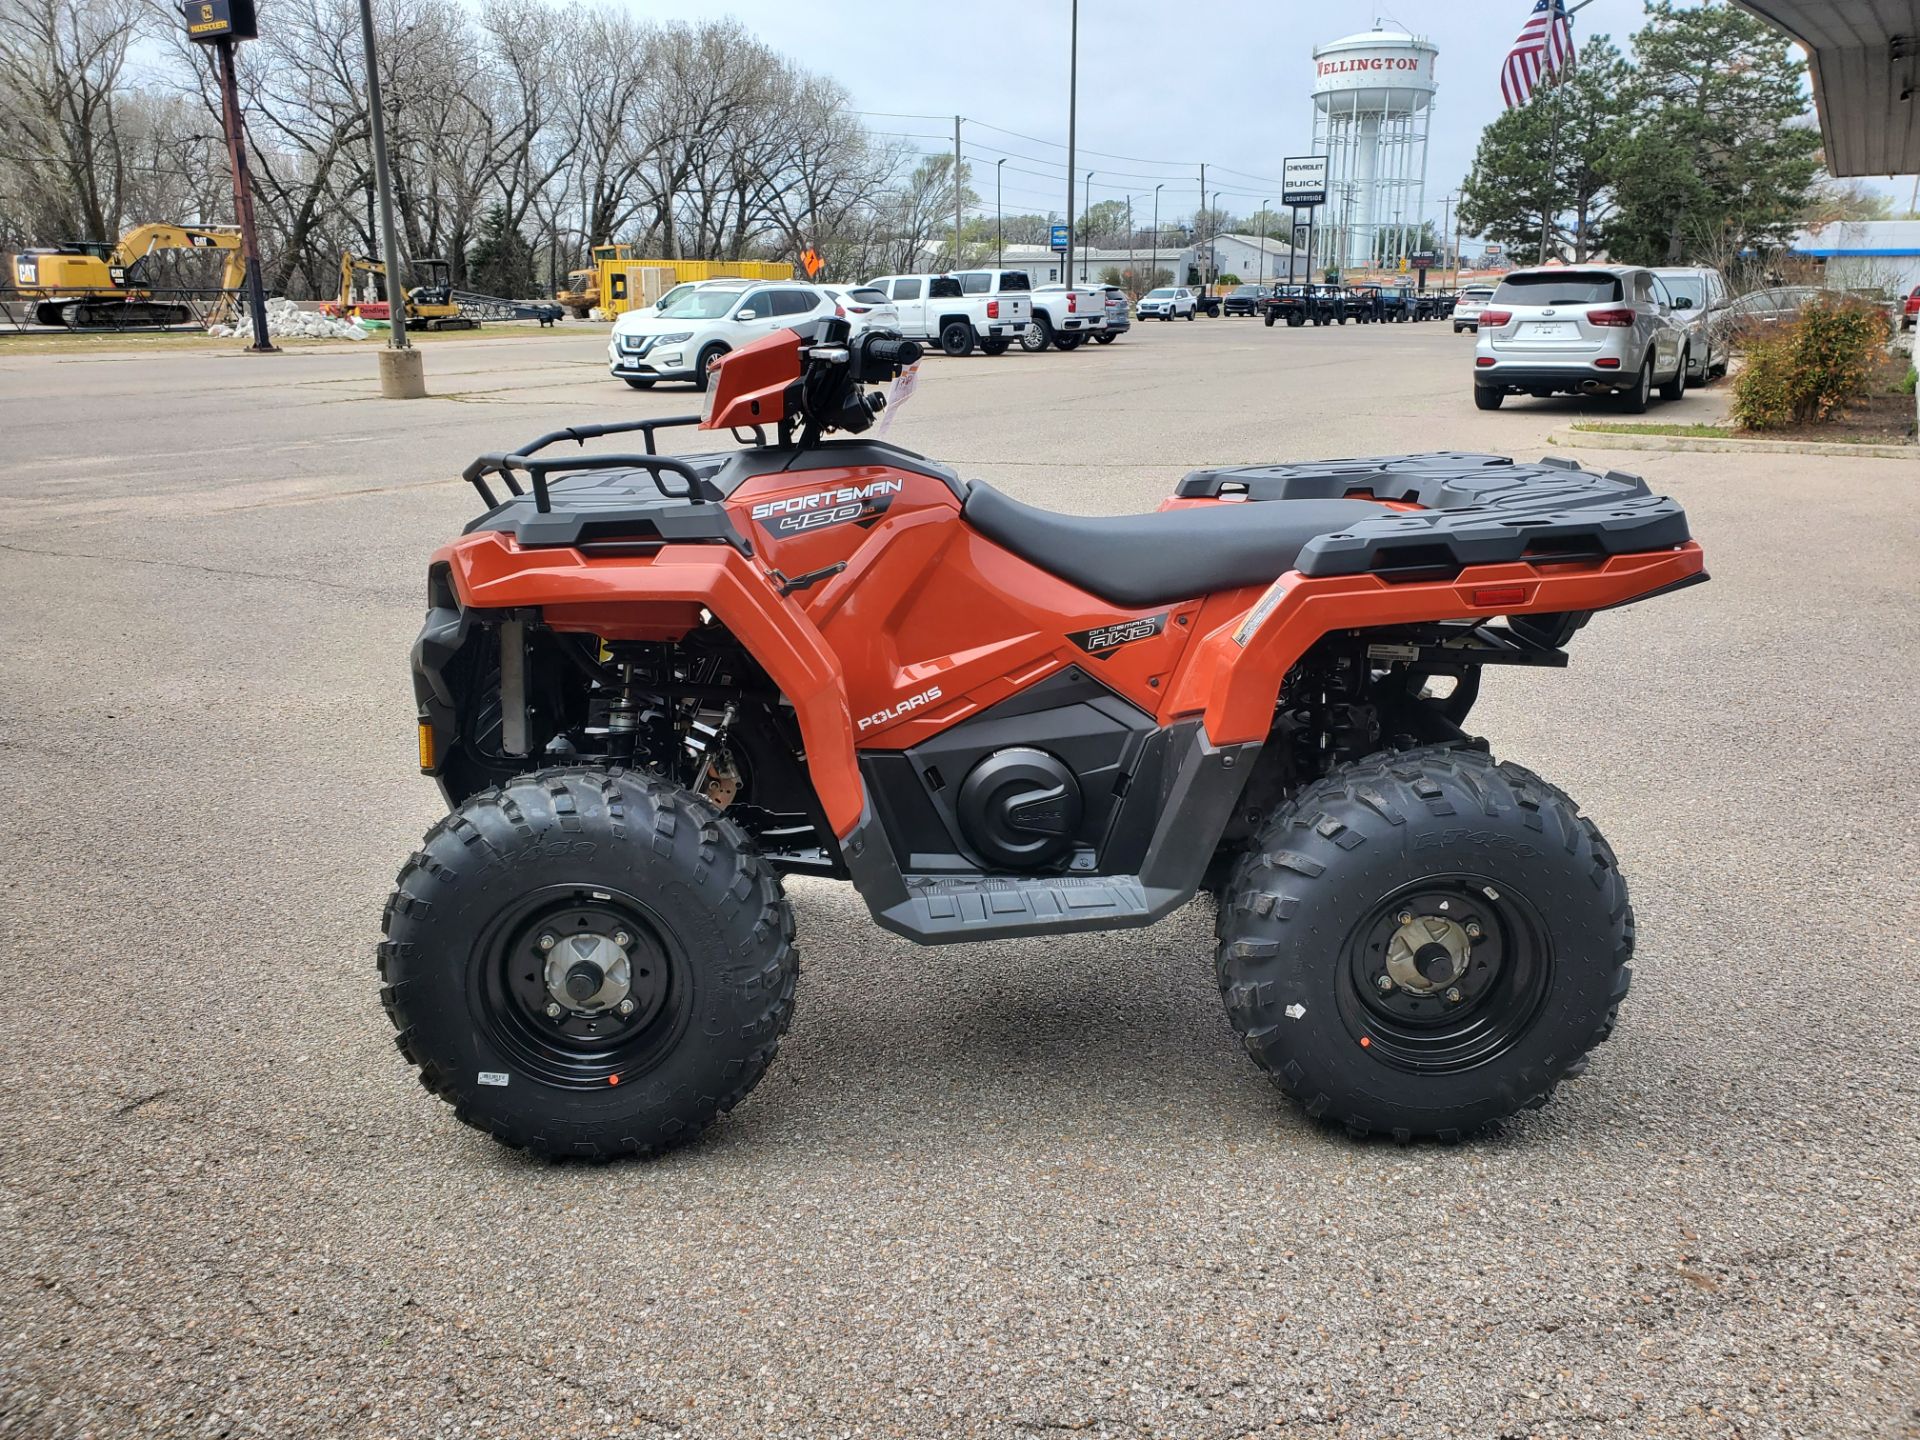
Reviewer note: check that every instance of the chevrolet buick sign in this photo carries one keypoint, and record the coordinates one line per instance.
(1303, 180)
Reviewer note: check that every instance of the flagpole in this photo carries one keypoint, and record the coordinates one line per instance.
(1553, 135)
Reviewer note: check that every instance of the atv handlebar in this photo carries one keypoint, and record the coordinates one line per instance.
(898, 354)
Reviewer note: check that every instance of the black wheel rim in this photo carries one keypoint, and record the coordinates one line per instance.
(580, 1048)
(1474, 1007)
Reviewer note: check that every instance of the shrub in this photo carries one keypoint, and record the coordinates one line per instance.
(1803, 374)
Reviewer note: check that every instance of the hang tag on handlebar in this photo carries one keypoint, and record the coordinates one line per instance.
(898, 394)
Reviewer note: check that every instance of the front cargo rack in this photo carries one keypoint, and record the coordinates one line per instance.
(506, 464)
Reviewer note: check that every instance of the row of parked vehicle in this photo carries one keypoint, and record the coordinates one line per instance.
(692, 325)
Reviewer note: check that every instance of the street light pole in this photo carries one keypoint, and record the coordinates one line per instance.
(1073, 112)
(957, 261)
(1130, 275)
(1086, 209)
(402, 376)
(1263, 240)
(1213, 242)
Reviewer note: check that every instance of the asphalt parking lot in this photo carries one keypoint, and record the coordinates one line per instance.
(1011, 1190)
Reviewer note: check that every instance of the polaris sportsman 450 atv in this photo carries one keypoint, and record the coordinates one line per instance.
(651, 685)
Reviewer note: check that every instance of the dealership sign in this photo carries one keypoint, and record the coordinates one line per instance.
(1303, 180)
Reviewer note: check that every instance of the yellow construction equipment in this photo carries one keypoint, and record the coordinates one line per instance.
(89, 284)
(430, 306)
(617, 281)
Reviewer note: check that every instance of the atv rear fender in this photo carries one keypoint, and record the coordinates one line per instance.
(659, 596)
(1238, 668)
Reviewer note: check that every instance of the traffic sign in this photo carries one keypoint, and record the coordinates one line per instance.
(1303, 180)
(1059, 237)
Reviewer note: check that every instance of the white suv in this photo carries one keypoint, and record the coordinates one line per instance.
(679, 341)
(1167, 303)
(1580, 330)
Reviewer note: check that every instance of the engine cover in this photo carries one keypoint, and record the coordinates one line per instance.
(1020, 807)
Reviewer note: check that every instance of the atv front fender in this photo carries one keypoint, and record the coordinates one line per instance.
(659, 596)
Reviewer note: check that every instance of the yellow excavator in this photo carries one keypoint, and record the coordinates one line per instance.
(430, 306)
(89, 284)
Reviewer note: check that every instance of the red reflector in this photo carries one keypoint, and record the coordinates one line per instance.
(1619, 318)
(1483, 361)
(993, 309)
(1606, 363)
(1490, 595)
(1495, 318)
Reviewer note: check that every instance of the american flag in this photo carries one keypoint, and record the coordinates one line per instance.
(1545, 47)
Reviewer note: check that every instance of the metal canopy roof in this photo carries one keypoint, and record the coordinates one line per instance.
(1865, 59)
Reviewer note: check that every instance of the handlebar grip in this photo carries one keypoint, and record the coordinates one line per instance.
(895, 352)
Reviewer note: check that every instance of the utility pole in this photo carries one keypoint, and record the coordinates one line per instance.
(999, 233)
(1073, 109)
(1198, 217)
(1153, 264)
(1263, 240)
(957, 261)
(1132, 279)
(402, 375)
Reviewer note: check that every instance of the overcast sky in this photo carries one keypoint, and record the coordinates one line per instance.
(1224, 81)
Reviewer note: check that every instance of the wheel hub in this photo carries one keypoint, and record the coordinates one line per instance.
(587, 974)
(1428, 953)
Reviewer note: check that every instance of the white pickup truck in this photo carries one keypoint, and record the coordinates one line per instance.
(1063, 315)
(939, 308)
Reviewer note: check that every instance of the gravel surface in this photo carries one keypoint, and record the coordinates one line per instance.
(1014, 1190)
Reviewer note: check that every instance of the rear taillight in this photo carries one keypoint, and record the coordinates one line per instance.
(1606, 362)
(993, 309)
(1073, 301)
(1495, 318)
(862, 309)
(1618, 318)
(841, 311)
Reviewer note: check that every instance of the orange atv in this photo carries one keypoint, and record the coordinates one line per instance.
(651, 685)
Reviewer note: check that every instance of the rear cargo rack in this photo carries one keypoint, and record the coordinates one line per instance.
(509, 465)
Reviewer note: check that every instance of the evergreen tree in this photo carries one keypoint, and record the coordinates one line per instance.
(501, 261)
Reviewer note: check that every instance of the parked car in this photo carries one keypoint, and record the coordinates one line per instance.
(1466, 309)
(946, 310)
(1063, 315)
(1580, 330)
(1242, 300)
(1119, 317)
(864, 307)
(1169, 302)
(1910, 310)
(679, 341)
(1700, 297)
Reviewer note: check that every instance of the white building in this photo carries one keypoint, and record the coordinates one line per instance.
(1865, 254)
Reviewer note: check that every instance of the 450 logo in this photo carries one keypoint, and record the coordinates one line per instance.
(827, 507)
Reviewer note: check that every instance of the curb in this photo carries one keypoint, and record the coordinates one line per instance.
(1617, 440)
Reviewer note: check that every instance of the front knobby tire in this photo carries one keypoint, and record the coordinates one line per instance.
(1424, 943)
(672, 985)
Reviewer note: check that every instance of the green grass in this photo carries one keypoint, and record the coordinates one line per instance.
(1615, 427)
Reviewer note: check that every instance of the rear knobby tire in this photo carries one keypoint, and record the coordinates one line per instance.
(574, 854)
(1308, 921)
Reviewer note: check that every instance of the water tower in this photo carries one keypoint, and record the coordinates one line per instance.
(1372, 98)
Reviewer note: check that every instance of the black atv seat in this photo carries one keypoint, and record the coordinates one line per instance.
(1137, 561)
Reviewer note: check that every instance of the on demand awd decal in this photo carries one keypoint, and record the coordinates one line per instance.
(1103, 640)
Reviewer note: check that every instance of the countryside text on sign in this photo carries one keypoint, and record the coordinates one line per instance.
(1303, 180)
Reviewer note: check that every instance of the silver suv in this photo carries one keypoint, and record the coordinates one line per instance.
(1700, 300)
(1580, 330)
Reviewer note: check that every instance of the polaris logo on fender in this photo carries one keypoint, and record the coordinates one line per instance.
(827, 507)
(905, 707)
(1103, 640)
